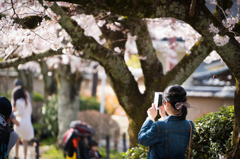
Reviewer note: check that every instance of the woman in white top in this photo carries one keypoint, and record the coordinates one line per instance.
(23, 110)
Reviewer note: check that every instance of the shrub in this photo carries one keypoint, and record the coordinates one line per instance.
(136, 152)
(49, 119)
(38, 97)
(102, 123)
(87, 103)
(212, 134)
(7, 95)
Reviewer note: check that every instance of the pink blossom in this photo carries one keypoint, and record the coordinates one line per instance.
(213, 29)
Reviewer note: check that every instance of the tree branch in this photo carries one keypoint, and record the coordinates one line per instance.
(192, 8)
(122, 80)
(188, 64)
(32, 57)
(227, 51)
(151, 67)
(122, 7)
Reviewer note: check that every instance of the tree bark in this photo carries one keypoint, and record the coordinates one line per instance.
(122, 81)
(68, 97)
(234, 153)
(27, 78)
(50, 83)
(32, 57)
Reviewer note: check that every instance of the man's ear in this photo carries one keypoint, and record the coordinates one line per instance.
(8, 120)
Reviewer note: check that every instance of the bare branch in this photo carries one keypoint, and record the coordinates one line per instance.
(8, 55)
(32, 57)
(192, 8)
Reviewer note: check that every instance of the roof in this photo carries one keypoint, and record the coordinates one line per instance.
(206, 91)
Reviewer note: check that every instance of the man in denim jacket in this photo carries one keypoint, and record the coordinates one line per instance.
(168, 138)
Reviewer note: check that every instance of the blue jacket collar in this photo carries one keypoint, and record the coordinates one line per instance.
(170, 117)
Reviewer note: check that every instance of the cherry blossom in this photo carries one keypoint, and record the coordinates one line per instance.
(229, 23)
(212, 57)
(213, 29)
(220, 40)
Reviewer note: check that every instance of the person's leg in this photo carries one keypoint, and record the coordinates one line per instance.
(16, 148)
(25, 142)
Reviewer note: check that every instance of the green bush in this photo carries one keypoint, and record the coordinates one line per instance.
(38, 97)
(136, 152)
(212, 134)
(87, 103)
(49, 120)
(8, 95)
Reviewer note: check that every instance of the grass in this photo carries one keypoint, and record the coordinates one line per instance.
(113, 154)
(54, 153)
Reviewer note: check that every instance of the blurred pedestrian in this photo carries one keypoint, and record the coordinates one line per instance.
(93, 152)
(8, 136)
(23, 110)
(17, 85)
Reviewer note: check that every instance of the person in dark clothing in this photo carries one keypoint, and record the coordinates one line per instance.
(76, 140)
(93, 152)
(5, 116)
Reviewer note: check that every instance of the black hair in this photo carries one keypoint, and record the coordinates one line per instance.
(18, 94)
(174, 94)
(93, 143)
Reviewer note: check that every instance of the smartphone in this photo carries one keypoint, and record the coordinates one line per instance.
(157, 99)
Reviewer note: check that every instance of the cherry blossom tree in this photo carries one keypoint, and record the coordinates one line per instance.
(115, 19)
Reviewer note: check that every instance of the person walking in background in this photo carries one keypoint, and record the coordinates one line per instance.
(17, 85)
(170, 136)
(23, 109)
(8, 136)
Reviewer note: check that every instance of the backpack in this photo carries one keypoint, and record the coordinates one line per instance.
(74, 141)
(4, 139)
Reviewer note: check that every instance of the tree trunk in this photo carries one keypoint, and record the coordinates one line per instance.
(50, 83)
(68, 98)
(135, 124)
(27, 78)
(234, 152)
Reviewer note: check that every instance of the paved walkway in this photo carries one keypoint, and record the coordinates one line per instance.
(30, 152)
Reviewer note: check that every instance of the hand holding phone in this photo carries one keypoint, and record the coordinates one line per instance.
(157, 99)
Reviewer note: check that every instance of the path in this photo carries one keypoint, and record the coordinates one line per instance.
(30, 152)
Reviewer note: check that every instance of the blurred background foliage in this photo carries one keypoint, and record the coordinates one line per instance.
(87, 103)
(49, 120)
(133, 61)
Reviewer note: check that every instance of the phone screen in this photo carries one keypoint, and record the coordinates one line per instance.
(157, 99)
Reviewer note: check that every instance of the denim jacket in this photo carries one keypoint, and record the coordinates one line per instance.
(167, 139)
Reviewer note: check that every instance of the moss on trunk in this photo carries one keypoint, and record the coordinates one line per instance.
(68, 97)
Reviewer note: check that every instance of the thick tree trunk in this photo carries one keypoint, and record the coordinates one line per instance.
(234, 152)
(122, 81)
(136, 118)
(134, 127)
(68, 98)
